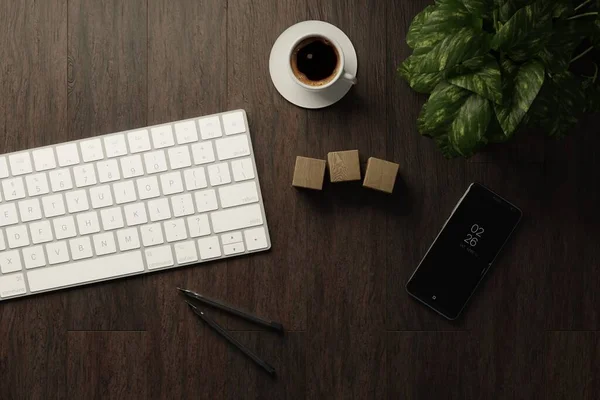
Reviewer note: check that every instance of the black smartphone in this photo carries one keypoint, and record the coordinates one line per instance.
(463, 251)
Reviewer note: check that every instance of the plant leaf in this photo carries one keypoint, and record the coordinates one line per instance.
(562, 8)
(413, 36)
(453, 50)
(526, 32)
(481, 8)
(441, 109)
(486, 81)
(443, 142)
(436, 23)
(467, 132)
(559, 104)
(558, 52)
(508, 8)
(527, 84)
(418, 81)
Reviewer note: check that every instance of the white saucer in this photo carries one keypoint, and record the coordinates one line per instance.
(279, 65)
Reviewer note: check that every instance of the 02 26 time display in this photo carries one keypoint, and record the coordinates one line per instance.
(476, 233)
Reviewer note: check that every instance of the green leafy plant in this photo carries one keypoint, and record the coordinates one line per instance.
(493, 67)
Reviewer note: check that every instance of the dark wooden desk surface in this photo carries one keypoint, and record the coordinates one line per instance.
(72, 69)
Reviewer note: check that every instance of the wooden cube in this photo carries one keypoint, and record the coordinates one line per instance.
(381, 175)
(309, 173)
(344, 166)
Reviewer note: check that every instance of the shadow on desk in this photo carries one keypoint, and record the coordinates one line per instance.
(354, 195)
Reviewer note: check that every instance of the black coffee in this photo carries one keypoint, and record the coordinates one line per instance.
(315, 61)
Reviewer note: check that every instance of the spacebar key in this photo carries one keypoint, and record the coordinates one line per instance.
(85, 271)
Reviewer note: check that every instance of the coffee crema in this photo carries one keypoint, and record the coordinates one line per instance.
(315, 61)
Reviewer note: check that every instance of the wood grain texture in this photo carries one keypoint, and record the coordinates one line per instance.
(347, 283)
(107, 365)
(335, 276)
(381, 175)
(572, 365)
(107, 81)
(344, 166)
(186, 78)
(33, 112)
(309, 173)
(273, 284)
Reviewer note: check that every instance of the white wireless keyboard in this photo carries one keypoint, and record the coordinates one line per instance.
(129, 203)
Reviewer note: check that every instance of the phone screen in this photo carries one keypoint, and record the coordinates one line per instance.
(463, 251)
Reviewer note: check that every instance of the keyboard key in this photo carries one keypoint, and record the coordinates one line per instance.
(231, 237)
(195, 178)
(185, 252)
(57, 253)
(128, 239)
(85, 271)
(210, 127)
(233, 147)
(53, 205)
(162, 136)
(64, 227)
(152, 235)
(203, 153)
(67, 154)
(3, 168)
(77, 201)
(198, 225)
(138, 141)
(209, 247)
(135, 214)
(234, 123)
(159, 257)
(124, 192)
(148, 187)
(104, 243)
(159, 209)
(91, 150)
(34, 257)
(44, 159)
(206, 200)
(30, 210)
(60, 180)
(41, 232)
(132, 166)
(242, 169)
(182, 205)
(236, 218)
(234, 248)
(10, 261)
(108, 171)
(17, 236)
(175, 230)
(81, 248)
(8, 214)
(12, 285)
(85, 175)
(13, 189)
(112, 218)
(179, 157)
(101, 196)
(115, 146)
(88, 223)
(171, 183)
(219, 174)
(256, 238)
(37, 184)
(155, 162)
(20, 163)
(2, 245)
(186, 132)
(236, 195)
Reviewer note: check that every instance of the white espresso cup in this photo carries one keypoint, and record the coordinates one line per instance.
(316, 62)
